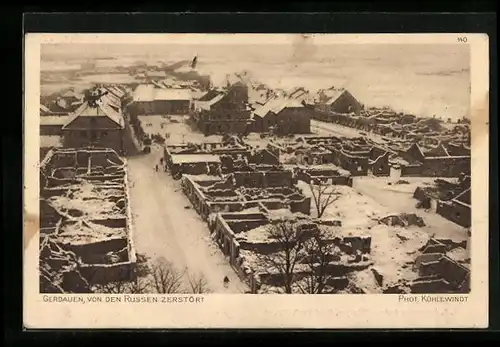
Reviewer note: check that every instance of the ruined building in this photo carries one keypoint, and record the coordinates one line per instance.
(247, 239)
(434, 162)
(85, 229)
(240, 190)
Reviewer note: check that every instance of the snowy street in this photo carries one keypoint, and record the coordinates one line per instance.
(165, 228)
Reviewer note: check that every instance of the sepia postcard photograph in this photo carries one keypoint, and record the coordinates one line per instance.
(256, 181)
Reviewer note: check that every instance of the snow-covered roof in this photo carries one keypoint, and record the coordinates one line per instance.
(333, 95)
(54, 120)
(195, 158)
(205, 105)
(148, 92)
(276, 105)
(103, 109)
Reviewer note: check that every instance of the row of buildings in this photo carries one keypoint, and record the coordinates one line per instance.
(244, 194)
(98, 119)
(362, 156)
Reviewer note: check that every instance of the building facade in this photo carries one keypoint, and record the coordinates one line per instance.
(282, 117)
(225, 113)
(95, 125)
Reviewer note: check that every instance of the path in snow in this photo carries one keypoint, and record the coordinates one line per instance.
(165, 228)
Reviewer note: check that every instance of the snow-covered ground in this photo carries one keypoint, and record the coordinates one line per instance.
(399, 198)
(165, 228)
(393, 248)
(176, 127)
(333, 129)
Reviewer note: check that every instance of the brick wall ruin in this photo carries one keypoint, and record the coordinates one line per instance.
(84, 211)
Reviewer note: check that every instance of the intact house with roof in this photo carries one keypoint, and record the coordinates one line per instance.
(148, 100)
(96, 123)
(338, 100)
(282, 116)
(224, 113)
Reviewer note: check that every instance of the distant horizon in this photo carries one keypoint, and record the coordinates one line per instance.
(422, 79)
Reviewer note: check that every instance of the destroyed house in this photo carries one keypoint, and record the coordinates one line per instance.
(438, 273)
(219, 154)
(97, 123)
(193, 164)
(356, 155)
(264, 156)
(282, 116)
(442, 189)
(436, 162)
(86, 234)
(243, 190)
(326, 173)
(245, 237)
(458, 209)
(225, 113)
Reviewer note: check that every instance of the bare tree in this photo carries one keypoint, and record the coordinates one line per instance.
(165, 277)
(323, 195)
(320, 252)
(141, 285)
(138, 286)
(290, 241)
(198, 284)
(115, 287)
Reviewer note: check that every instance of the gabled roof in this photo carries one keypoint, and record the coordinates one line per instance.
(103, 109)
(276, 105)
(417, 146)
(334, 95)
